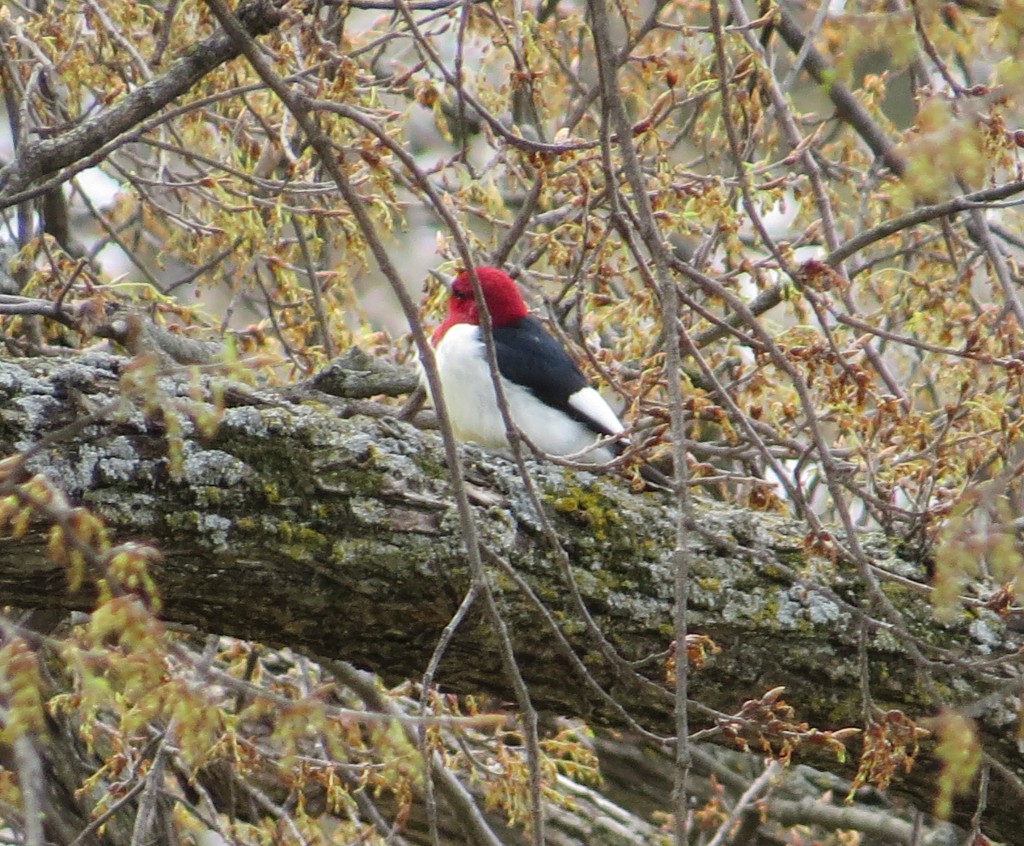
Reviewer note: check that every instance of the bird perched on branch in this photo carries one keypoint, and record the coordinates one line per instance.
(549, 398)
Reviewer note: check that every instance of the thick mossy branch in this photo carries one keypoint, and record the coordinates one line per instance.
(339, 537)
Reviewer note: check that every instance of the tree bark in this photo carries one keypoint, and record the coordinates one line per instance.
(294, 526)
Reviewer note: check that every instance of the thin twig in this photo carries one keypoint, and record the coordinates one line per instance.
(298, 106)
(460, 801)
(319, 311)
(618, 121)
(144, 817)
(749, 796)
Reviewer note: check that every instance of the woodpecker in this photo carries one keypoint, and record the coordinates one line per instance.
(549, 399)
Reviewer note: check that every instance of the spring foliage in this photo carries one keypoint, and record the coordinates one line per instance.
(840, 233)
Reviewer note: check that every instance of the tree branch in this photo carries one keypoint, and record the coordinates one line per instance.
(847, 108)
(46, 156)
(339, 538)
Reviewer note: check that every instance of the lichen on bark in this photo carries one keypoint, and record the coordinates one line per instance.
(338, 537)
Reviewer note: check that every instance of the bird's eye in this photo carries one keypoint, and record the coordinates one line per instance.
(460, 294)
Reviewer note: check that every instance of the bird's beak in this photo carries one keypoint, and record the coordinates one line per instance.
(445, 282)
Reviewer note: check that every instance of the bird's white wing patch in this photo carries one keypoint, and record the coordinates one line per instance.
(592, 405)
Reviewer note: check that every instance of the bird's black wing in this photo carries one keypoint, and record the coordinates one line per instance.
(529, 356)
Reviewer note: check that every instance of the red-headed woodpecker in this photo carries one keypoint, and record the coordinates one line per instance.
(548, 397)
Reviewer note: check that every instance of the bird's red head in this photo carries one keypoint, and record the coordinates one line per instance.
(504, 302)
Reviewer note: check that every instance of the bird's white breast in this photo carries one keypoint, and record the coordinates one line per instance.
(473, 407)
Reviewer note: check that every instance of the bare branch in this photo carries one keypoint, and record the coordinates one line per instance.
(37, 160)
